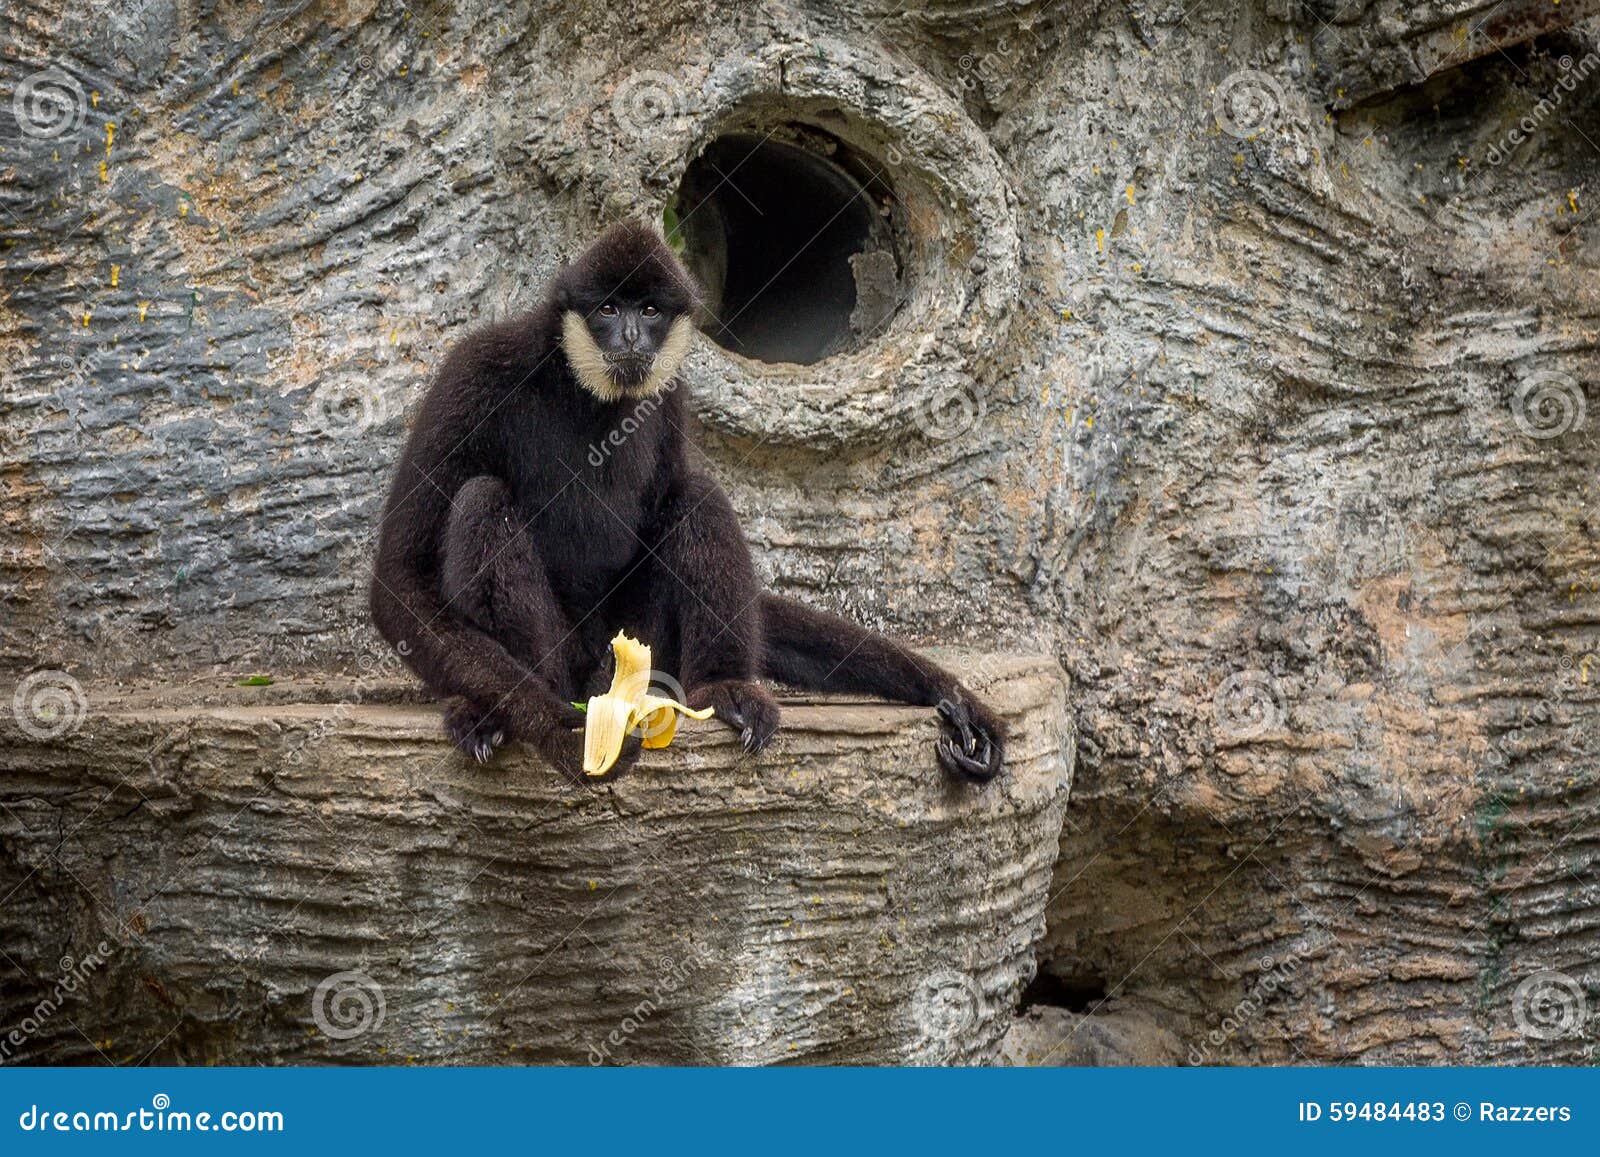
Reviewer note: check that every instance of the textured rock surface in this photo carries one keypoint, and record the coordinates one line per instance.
(1048, 1035)
(1370, 47)
(1265, 406)
(838, 900)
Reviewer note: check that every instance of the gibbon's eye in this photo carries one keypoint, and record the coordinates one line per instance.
(608, 310)
(650, 311)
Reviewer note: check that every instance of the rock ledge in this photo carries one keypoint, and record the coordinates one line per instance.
(307, 872)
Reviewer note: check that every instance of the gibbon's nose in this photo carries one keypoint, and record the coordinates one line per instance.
(630, 331)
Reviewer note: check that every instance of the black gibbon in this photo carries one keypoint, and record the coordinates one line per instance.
(545, 500)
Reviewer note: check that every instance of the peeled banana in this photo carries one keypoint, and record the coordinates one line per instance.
(629, 705)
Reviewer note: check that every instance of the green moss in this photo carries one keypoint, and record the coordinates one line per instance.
(670, 228)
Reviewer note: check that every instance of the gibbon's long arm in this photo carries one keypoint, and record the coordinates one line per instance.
(451, 655)
(822, 652)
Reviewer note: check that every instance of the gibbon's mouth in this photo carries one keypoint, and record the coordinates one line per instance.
(629, 369)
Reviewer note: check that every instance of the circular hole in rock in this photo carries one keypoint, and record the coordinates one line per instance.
(792, 236)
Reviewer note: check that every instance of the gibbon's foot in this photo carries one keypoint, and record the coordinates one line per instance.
(975, 746)
(563, 750)
(746, 707)
(475, 731)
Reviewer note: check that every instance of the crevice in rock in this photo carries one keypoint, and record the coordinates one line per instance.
(1075, 994)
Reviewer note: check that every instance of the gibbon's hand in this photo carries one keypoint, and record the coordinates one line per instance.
(563, 750)
(475, 730)
(478, 731)
(974, 746)
(746, 707)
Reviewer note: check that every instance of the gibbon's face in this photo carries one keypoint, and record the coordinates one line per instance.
(626, 346)
(630, 334)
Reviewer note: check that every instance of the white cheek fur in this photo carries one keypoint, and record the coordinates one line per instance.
(589, 364)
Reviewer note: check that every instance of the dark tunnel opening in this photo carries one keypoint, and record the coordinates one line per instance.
(794, 245)
(1081, 995)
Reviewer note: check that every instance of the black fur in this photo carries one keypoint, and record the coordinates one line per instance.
(520, 535)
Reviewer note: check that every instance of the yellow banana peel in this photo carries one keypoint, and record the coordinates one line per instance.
(629, 705)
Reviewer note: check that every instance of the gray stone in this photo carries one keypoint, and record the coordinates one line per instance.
(308, 872)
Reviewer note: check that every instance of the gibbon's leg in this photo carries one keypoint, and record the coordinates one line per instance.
(492, 578)
(702, 577)
(822, 652)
